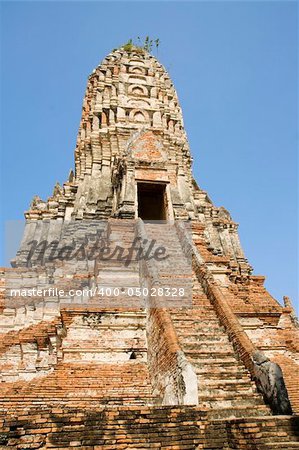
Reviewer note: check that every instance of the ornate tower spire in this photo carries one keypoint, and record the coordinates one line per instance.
(127, 314)
(131, 133)
(132, 157)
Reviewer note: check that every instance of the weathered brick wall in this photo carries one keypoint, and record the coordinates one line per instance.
(104, 336)
(132, 130)
(29, 352)
(147, 427)
(173, 377)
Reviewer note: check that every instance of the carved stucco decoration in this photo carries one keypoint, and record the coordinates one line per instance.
(147, 147)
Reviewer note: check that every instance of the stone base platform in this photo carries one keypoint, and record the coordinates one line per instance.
(122, 427)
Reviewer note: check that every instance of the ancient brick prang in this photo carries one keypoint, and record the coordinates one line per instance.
(132, 131)
(130, 317)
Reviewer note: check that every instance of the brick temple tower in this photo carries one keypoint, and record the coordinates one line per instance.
(215, 367)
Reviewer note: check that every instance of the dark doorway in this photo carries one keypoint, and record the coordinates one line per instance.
(151, 201)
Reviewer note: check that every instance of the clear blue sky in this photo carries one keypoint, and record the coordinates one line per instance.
(234, 67)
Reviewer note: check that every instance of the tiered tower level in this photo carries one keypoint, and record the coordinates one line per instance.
(132, 131)
(218, 372)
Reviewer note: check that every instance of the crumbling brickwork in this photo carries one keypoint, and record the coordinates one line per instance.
(117, 371)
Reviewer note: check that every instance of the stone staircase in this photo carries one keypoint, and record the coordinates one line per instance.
(175, 271)
(98, 393)
(224, 384)
(119, 270)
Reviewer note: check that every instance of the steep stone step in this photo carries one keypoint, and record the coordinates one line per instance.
(213, 362)
(208, 338)
(204, 347)
(212, 341)
(215, 372)
(227, 384)
(208, 354)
